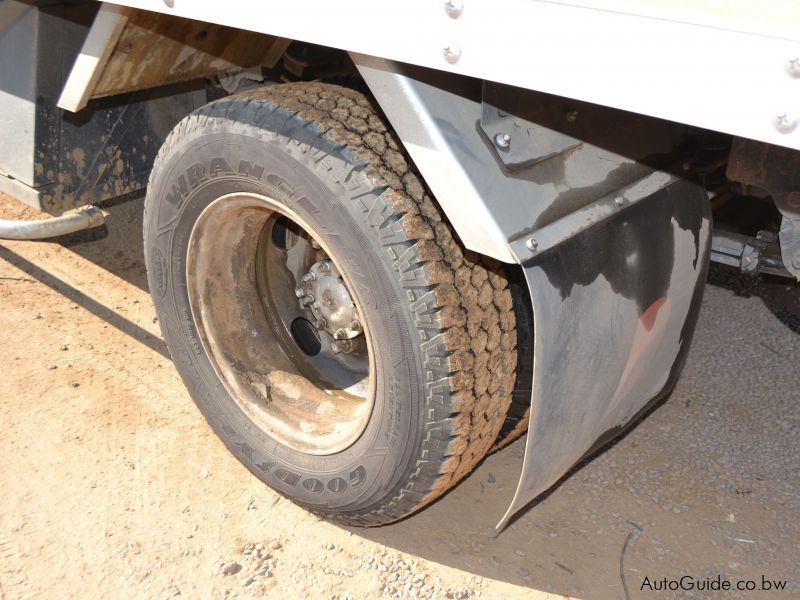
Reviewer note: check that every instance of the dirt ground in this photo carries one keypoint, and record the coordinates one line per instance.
(114, 487)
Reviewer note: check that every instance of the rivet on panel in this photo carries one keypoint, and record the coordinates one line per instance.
(454, 8)
(452, 53)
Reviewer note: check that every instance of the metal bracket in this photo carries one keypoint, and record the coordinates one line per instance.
(520, 142)
(760, 254)
(776, 170)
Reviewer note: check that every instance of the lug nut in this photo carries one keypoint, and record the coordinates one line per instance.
(321, 323)
(341, 346)
(355, 326)
(299, 292)
(340, 334)
(306, 300)
(324, 267)
(309, 277)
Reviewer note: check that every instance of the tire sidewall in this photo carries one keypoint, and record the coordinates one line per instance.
(224, 157)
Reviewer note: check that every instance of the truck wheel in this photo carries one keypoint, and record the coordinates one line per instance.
(316, 304)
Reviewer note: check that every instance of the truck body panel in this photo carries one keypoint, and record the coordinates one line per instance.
(730, 67)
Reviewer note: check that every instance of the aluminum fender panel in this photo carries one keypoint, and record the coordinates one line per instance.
(614, 311)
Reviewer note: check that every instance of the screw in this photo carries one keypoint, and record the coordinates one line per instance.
(453, 8)
(321, 323)
(306, 300)
(572, 116)
(532, 244)
(324, 267)
(452, 53)
(619, 200)
(785, 123)
(299, 292)
(793, 67)
(502, 140)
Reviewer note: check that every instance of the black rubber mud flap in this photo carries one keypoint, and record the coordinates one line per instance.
(614, 311)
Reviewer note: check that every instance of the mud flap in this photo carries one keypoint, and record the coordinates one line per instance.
(614, 312)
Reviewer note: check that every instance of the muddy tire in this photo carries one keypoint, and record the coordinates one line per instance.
(436, 324)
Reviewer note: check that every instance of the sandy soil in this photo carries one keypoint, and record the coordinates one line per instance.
(114, 487)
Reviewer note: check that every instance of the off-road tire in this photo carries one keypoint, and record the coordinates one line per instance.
(442, 317)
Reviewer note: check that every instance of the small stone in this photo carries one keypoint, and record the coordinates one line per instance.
(204, 473)
(231, 568)
(75, 384)
(64, 348)
(51, 367)
(520, 552)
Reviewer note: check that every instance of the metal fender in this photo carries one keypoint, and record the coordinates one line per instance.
(614, 311)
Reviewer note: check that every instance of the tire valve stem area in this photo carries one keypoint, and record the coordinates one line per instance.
(322, 291)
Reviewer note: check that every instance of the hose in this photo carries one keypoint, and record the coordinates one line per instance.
(85, 218)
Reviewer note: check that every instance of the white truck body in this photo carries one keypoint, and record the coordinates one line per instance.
(725, 65)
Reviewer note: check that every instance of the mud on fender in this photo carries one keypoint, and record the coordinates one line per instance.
(614, 310)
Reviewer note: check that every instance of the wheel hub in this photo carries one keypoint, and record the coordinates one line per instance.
(323, 293)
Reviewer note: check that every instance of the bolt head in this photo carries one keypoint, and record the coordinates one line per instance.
(306, 300)
(502, 140)
(453, 8)
(793, 67)
(299, 292)
(321, 323)
(324, 267)
(531, 244)
(341, 346)
(785, 122)
(452, 53)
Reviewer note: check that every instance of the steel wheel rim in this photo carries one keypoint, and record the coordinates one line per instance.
(258, 331)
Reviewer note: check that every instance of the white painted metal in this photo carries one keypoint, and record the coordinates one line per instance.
(723, 65)
(96, 50)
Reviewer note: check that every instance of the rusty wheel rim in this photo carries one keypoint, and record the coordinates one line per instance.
(280, 324)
